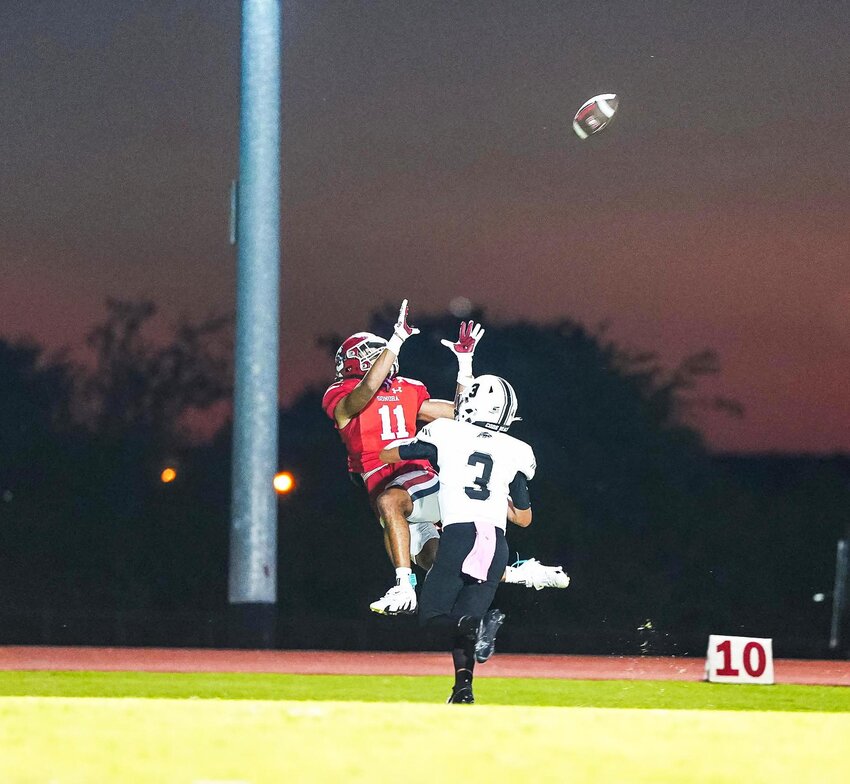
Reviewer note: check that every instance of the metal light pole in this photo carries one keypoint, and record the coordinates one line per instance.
(252, 591)
(839, 597)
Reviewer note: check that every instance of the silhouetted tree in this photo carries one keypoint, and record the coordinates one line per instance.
(35, 404)
(138, 385)
(103, 531)
(135, 398)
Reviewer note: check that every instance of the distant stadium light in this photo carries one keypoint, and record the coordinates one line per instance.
(168, 475)
(283, 482)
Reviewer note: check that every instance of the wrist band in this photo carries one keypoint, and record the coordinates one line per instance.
(394, 344)
(464, 369)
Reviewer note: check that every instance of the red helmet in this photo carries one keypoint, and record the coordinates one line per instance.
(358, 353)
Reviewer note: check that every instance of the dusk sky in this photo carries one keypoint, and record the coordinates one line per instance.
(428, 154)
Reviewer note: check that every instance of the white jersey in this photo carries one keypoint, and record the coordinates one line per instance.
(476, 467)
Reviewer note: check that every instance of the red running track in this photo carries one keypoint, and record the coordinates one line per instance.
(827, 673)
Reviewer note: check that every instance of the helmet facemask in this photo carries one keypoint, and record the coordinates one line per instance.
(358, 353)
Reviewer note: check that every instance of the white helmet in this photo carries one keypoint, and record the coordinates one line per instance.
(489, 401)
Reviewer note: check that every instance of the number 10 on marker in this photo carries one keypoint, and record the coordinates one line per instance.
(739, 659)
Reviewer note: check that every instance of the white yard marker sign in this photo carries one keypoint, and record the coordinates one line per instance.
(739, 659)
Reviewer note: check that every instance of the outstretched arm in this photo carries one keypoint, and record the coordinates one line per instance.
(464, 348)
(356, 400)
(435, 409)
(414, 450)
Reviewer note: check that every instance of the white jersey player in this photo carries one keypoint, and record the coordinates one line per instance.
(479, 470)
(484, 476)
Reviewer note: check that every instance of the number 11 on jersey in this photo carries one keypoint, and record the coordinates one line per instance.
(387, 433)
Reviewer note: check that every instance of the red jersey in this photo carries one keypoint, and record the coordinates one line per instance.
(390, 415)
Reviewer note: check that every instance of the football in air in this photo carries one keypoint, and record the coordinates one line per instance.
(595, 114)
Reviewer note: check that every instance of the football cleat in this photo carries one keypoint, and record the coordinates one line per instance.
(399, 600)
(485, 640)
(533, 574)
(461, 696)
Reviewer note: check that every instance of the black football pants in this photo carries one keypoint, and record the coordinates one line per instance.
(448, 594)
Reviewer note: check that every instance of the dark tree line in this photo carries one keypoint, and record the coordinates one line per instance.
(664, 541)
(85, 520)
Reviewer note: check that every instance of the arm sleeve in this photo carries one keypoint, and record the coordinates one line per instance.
(418, 450)
(519, 492)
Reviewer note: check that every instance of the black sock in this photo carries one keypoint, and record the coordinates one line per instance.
(463, 658)
(463, 633)
(463, 668)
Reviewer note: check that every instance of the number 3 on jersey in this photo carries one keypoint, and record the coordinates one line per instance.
(387, 433)
(480, 492)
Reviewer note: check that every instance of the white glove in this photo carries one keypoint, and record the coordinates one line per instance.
(464, 348)
(401, 331)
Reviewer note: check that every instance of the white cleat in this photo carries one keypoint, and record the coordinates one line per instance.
(399, 600)
(533, 574)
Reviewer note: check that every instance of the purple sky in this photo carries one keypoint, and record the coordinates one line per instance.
(427, 154)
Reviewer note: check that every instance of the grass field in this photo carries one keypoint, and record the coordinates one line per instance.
(88, 728)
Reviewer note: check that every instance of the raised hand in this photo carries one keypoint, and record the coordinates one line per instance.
(402, 328)
(470, 334)
(463, 348)
(401, 331)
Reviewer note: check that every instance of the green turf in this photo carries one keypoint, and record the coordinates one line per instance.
(71, 740)
(684, 695)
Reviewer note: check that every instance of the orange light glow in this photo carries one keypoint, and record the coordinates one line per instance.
(283, 482)
(168, 475)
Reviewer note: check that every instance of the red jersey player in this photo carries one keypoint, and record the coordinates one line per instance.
(372, 407)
